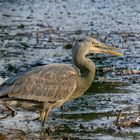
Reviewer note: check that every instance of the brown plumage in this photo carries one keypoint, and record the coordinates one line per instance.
(54, 84)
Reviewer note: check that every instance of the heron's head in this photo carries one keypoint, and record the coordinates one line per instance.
(91, 45)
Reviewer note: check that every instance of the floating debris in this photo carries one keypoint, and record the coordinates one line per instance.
(130, 72)
(68, 46)
(21, 26)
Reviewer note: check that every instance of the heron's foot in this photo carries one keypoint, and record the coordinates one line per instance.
(63, 109)
(13, 111)
(46, 131)
(49, 130)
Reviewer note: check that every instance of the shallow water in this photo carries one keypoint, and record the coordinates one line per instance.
(90, 117)
(116, 86)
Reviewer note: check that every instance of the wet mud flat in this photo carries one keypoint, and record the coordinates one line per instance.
(34, 33)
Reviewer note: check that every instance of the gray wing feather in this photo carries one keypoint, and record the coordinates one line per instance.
(46, 84)
(6, 86)
(14, 78)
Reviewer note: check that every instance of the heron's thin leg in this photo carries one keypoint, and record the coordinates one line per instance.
(62, 107)
(42, 114)
(45, 115)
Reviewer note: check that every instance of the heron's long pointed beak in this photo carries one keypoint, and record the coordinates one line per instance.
(101, 48)
(114, 53)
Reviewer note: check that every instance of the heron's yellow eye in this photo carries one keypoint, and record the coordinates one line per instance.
(93, 43)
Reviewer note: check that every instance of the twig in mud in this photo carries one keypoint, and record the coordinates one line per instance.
(4, 117)
(124, 120)
(28, 129)
(118, 117)
(130, 72)
(21, 137)
(37, 37)
(18, 131)
(18, 134)
(35, 119)
(13, 112)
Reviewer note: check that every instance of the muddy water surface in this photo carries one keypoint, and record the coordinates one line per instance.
(33, 33)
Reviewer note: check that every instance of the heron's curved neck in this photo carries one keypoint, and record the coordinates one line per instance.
(84, 65)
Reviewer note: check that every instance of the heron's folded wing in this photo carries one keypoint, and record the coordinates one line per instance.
(48, 84)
